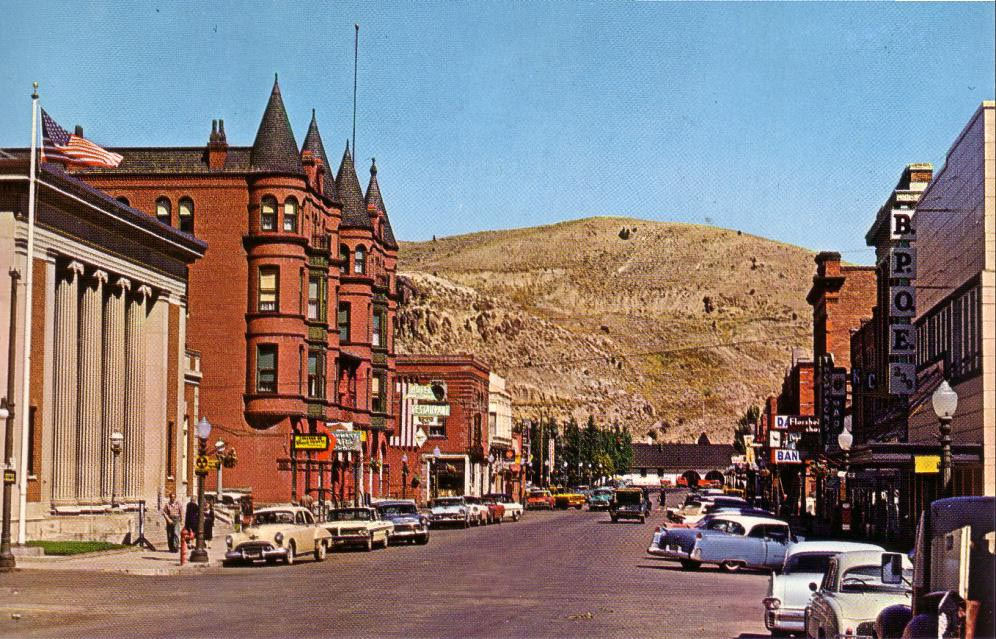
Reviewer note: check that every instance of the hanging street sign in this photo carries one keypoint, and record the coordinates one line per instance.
(431, 410)
(785, 456)
(318, 442)
(347, 441)
(420, 437)
(926, 464)
(9, 476)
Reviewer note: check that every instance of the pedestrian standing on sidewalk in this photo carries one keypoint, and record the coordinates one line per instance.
(190, 516)
(171, 514)
(208, 523)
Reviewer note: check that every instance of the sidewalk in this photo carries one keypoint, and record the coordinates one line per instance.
(131, 561)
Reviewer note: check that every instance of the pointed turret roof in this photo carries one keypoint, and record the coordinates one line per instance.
(375, 200)
(313, 143)
(354, 209)
(275, 149)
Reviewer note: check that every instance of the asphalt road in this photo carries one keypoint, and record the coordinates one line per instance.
(560, 574)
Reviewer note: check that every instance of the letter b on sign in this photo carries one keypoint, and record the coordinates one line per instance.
(902, 225)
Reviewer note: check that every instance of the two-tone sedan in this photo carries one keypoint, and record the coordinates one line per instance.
(600, 499)
(281, 533)
(513, 509)
(730, 541)
(409, 523)
(539, 499)
(451, 511)
(361, 526)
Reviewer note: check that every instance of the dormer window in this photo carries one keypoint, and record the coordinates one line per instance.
(187, 215)
(290, 215)
(360, 260)
(164, 210)
(268, 214)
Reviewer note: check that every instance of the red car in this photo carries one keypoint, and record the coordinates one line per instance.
(496, 510)
(539, 499)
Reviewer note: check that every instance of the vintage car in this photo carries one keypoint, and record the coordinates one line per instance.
(600, 498)
(491, 512)
(696, 508)
(538, 498)
(511, 508)
(567, 498)
(445, 511)
(278, 533)
(409, 523)
(629, 503)
(359, 526)
(711, 514)
(852, 593)
(730, 541)
(788, 588)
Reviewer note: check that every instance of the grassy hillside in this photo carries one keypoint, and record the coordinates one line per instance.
(662, 326)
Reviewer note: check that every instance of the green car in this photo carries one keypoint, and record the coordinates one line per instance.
(599, 499)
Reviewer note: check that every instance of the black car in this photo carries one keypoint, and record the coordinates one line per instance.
(629, 503)
(409, 523)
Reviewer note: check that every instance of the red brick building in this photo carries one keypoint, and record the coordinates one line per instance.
(292, 309)
(446, 396)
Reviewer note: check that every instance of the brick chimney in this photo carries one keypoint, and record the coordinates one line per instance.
(828, 264)
(217, 150)
(314, 168)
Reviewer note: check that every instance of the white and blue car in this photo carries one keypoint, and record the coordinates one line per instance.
(409, 523)
(730, 541)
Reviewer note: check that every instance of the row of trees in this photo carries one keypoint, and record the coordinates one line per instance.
(582, 454)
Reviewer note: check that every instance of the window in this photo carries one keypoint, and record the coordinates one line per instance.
(378, 386)
(268, 214)
(343, 259)
(343, 322)
(360, 260)
(164, 210)
(438, 427)
(316, 297)
(269, 288)
(290, 215)
(378, 328)
(266, 368)
(187, 215)
(316, 374)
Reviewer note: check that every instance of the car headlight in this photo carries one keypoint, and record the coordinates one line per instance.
(772, 603)
(463, 511)
(279, 538)
(229, 541)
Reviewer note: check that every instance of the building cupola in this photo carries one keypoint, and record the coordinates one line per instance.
(376, 209)
(275, 149)
(354, 210)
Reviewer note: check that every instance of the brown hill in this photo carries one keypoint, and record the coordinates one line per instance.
(667, 327)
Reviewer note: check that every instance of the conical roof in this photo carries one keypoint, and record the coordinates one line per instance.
(354, 209)
(313, 143)
(275, 149)
(375, 200)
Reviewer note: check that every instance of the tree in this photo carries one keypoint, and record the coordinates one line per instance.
(746, 425)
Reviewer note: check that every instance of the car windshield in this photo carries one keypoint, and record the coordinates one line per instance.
(398, 509)
(350, 514)
(449, 501)
(810, 562)
(629, 497)
(869, 579)
(273, 517)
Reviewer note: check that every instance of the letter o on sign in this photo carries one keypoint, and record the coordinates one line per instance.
(904, 300)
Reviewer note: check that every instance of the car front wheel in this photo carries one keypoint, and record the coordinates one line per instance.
(291, 554)
(370, 542)
(321, 550)
(729, 566)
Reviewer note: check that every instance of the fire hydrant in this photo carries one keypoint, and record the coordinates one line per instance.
(185, 537)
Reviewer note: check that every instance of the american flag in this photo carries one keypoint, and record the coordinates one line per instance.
(58, 145)
(406, 438)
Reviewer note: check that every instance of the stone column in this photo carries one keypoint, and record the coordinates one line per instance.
(114, 364)
(91, 380)
(132, 468)
(65, 385)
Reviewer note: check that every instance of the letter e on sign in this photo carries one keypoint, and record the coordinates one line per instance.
(901, 340)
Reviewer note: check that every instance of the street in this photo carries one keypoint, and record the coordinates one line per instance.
(559, 574)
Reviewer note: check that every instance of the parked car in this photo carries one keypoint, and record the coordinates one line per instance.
(512, 508)
(629, 503)
(697, 522)
(359, 526)
(279, 533)
(852, 593)
(567, 498)
(490, 512)
(730, 541)
(538, 498)
(600, 498)
(788, 588)
(450, 511)
(409, 523)
(695, 508)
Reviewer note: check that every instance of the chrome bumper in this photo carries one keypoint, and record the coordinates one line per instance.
(416, 532)
(255, 555)
(788, 619)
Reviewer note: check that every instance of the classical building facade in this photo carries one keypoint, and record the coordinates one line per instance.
(293, 307)
(107, 352)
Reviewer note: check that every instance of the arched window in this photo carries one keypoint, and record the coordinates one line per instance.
(343, 259)
(186, 211)
(360, 260)
(290, 215)
(268, 214)
(124, 201)
(164, 210)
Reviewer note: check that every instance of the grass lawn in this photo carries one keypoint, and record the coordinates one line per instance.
(73, 547)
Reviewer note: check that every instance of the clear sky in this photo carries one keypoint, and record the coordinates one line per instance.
(791, 121)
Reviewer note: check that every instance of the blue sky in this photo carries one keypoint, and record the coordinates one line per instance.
(791, 121)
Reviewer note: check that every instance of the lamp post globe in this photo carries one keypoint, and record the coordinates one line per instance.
(945, 403)
(844, 440)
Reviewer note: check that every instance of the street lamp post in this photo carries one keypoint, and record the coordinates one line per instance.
(404, 476)
(491, 461)
(117, 445)
(7, 561)
(547, 472)
(219, 451)
(435, 472)
(199, 554)
(844, 440)
(945, 402)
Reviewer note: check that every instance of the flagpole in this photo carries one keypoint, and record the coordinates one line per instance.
(22, 476)
(356, 50)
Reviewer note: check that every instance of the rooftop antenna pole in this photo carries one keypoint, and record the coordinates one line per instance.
(356, 50)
